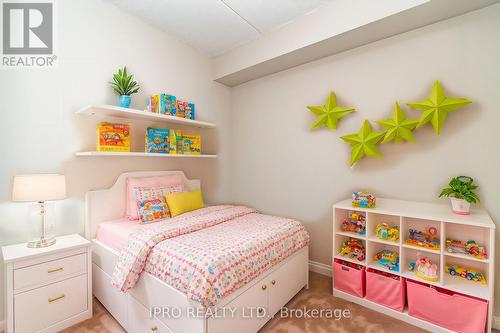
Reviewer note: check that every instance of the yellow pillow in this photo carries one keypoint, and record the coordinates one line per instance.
(183, 202)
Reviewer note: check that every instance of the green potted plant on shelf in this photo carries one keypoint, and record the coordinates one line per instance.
(124, 85)
(461, 192)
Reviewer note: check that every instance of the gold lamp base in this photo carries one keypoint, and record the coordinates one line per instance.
(43, 242)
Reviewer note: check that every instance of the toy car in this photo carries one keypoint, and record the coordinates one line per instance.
(470, 248)
(427, 239)
(354, 249)
(469, 274)
(388, 259)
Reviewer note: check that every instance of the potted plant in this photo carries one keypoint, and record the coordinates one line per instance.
(461, 192)
(124, 85)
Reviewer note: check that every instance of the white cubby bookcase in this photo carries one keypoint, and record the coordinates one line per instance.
(417, 215)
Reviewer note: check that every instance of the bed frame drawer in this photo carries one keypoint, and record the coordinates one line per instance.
(250, 315)
(140, 320)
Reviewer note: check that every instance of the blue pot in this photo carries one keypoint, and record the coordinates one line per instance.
(124, 101)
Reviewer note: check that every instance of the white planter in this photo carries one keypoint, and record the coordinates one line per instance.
(460, 206)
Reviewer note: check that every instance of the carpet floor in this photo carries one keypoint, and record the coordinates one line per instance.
(318, 296)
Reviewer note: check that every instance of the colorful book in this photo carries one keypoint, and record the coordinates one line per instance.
(189, 111)
(191, 144)
(113, 137)
(168, 104)
(181, 108)
(175, 140)
(157, 140)
(152, 103)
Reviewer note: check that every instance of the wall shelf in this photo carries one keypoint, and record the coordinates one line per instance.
(419, 216)
(139, 154)
(112, 111)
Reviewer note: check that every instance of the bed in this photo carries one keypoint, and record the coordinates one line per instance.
(245, 309)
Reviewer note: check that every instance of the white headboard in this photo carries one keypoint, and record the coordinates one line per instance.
(110, 204)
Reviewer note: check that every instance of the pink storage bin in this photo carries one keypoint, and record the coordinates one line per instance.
(442, 307)
(349, 279)
(386, 289)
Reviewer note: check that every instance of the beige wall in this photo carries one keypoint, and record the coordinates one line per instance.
(282, 167)
(40, 133)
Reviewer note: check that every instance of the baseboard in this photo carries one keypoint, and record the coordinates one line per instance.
(496, 323)
(320, 268)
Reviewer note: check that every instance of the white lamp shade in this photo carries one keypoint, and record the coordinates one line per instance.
(42, 187)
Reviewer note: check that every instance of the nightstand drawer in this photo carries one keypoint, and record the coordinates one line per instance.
(42, 307)
(54, 270)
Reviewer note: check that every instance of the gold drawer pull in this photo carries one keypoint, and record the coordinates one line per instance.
(53, 299)
(264, 287)
(154, 328)
(53, 270)
(273, 282)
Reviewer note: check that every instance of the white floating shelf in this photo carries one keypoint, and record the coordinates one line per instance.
(139, 154)
(119, 112)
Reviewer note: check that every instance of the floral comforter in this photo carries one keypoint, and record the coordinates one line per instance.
(209, 253)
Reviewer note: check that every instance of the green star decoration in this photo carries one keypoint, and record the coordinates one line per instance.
(436, 108)
(398, 128)
(364, 143)
(330, 113)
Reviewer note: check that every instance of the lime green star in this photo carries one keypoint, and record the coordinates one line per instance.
(398, 128)
(330, 113)
(436, 108)
(364, 142)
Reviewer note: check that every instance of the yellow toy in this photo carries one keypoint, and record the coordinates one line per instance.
(113, 137)
(386, 232)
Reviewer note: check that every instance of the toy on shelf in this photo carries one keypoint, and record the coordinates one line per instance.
(354, 249)
(157, 140)
(355, 222)
(424, 269)
(386, 232)
(389, 259)
(469, 274)
(191, 144)
(162, 104)
(175, 142)
(363, 200)
(113, 137)
(470, 248)
(427, 239)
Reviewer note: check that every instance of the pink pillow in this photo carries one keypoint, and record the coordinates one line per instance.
(158, 181)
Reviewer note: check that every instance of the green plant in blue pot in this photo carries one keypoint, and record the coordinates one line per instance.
(124, 85)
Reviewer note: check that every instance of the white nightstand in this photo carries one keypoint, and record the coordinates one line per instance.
(47, 289)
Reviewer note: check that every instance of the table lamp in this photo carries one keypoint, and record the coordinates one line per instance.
(39, 188)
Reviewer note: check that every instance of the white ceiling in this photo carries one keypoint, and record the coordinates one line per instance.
(217, 26)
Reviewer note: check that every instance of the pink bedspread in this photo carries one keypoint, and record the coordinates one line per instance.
(115, 233)
(211, 252)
